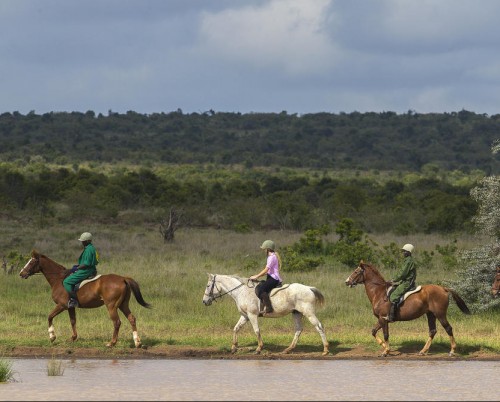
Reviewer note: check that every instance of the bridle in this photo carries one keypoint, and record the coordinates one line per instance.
(359, 271)
(30, 265)
(213, 297)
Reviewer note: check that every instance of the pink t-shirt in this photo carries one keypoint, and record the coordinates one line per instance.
(273, 266)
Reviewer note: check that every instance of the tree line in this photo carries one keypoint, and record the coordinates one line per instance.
(384, 141)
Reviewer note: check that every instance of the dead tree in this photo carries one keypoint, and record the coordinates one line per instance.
(170, 225)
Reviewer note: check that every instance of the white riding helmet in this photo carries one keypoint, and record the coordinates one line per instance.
(408, 247)
(86, 236)
(268, 244)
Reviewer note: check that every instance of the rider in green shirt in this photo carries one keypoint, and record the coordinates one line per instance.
(404, 279)
(86, 268)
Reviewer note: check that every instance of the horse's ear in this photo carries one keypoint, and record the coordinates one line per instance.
(34, 253)
(361, 262)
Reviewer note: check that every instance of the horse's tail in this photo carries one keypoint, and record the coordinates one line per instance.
(320, 299)
(460, 303)
(137, 292)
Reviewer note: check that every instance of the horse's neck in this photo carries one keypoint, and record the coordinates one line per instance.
(375, 284)
(52, 271)
(231, 285)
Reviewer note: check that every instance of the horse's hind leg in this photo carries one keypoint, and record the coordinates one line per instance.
(131, 318)
(431, 320)
(319, 327)
(297, 319)
(449, 330)
(113, 314)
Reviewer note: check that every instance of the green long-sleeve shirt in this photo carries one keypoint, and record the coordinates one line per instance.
(406, 276)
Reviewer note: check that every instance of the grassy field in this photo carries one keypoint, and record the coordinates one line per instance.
(173, 279)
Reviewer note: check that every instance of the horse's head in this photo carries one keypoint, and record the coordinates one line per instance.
(211, 291)
(495, 287)
(32, 266)
(357, 276)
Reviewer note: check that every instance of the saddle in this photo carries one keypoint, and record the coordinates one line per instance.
(405, 296)
(275, 290)
(85, 281)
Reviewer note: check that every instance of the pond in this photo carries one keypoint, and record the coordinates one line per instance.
(93, 379)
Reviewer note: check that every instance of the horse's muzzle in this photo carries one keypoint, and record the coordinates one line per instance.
(207, 302)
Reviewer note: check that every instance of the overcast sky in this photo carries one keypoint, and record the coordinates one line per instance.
(298, 56)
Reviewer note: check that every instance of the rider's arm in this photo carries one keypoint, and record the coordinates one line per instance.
(261, 273)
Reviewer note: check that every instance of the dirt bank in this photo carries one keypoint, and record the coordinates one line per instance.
(187, 352)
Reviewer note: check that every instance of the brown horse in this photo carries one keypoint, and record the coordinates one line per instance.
(110, 290)
(495, 286)
(432, 300)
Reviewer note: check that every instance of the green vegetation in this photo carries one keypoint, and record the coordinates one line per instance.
(6, 373)
(240, 200)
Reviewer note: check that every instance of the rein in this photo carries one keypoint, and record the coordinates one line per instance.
(372, 281)
(214, 285)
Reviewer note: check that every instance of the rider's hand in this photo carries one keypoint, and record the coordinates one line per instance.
(74, 269)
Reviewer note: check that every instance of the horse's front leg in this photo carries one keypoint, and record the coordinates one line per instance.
(255, 324)
(52, 332)
(381, 323)
(242, 321)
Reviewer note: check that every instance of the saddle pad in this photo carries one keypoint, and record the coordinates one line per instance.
(85, 281)
(417, 289)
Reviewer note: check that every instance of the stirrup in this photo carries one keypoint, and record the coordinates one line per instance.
(72, 303)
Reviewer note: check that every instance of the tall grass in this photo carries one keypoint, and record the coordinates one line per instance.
(55, 367)
(173, 277)
(6, 373)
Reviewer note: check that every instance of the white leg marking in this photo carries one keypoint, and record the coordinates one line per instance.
(52, 333)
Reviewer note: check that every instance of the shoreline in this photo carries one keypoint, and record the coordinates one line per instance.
(244, 353)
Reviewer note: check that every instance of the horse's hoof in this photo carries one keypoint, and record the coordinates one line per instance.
(451, 354)
(110, 345)
(325, 353)
(257, 352)
(286, 351)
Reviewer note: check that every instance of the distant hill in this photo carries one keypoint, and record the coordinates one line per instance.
(383, 141)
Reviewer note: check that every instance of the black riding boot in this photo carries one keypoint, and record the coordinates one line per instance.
(73, 300)
(392, 312)
(266, 306)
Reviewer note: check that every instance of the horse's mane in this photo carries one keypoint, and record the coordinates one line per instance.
(239, 278)
(374, 269)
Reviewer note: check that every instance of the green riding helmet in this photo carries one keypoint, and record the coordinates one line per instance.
(268, 244)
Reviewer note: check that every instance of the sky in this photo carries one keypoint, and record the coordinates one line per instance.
(250, 56)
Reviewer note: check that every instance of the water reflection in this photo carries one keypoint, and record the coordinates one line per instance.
(253, 380)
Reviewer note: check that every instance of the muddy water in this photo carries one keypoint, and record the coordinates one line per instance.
(253, 380)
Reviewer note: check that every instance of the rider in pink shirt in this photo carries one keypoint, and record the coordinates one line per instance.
(273, 278)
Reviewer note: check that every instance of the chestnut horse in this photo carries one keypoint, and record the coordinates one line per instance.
(495, 286)
(110, 290)
(432, 300)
